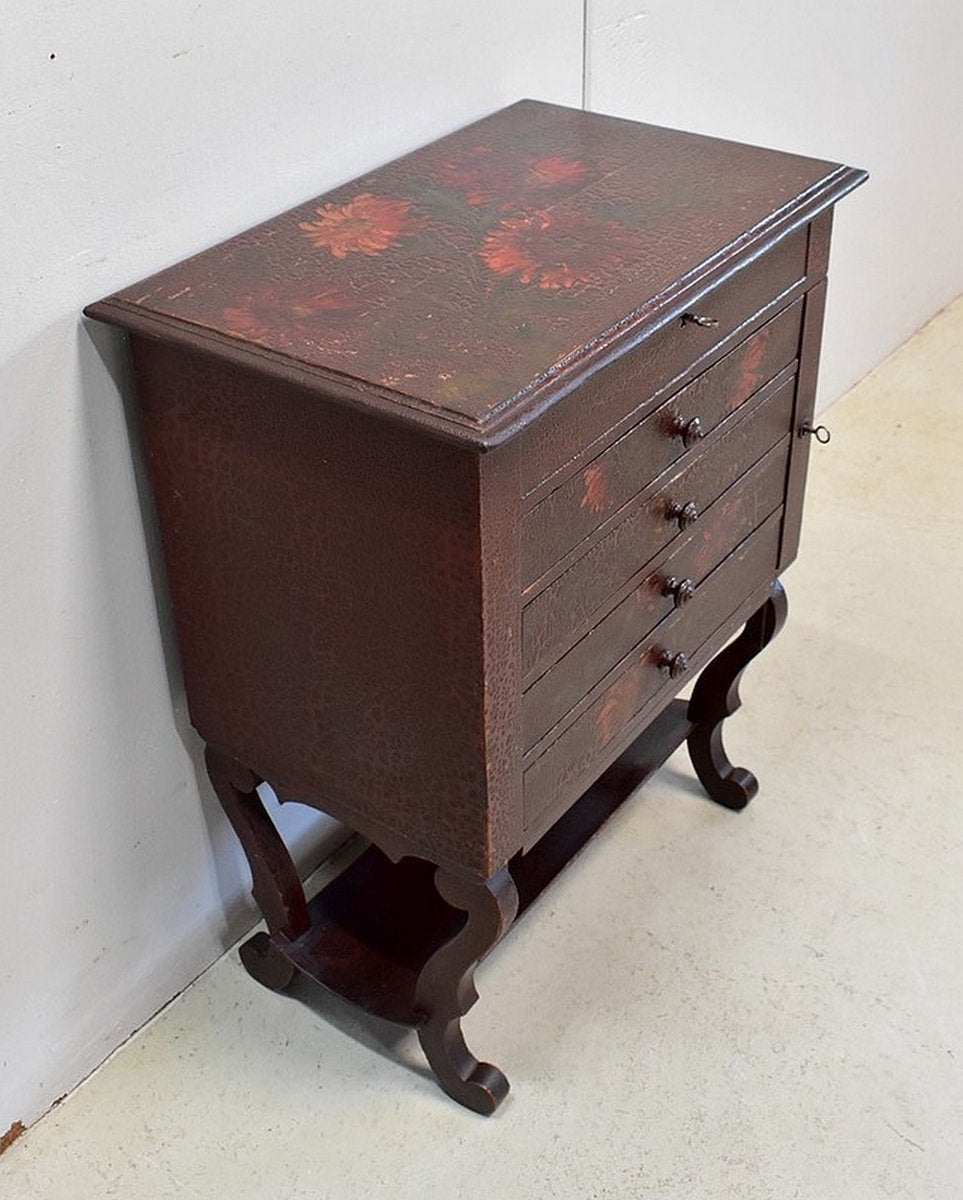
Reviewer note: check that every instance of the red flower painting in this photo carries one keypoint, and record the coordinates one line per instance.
(594, 495)
(555, 249)
(365, 225)
(279, 314)
(484, 177)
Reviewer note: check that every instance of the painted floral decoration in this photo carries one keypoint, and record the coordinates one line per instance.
(277, 314)
(595, 493)
(555, 249)
(365, 225)
(484, 177)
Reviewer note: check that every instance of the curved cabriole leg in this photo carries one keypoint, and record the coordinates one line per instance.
(276, 886)
(716, 696)
(446, 988)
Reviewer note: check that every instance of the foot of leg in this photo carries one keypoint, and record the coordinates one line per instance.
(264, 962)
(446, 988)
(716, 696)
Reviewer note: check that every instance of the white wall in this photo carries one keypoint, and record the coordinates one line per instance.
(131, 136)
(876, 85)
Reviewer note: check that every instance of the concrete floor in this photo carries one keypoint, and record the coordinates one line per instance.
(706, 1005)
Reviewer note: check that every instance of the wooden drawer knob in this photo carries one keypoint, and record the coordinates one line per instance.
(689, 431)
(685, 513)
(674, 664)
(691, 318)
(681, 590)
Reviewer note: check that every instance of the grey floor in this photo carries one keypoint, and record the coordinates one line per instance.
(706, 1005)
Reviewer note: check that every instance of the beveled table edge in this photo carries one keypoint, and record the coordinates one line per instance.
(517, 411)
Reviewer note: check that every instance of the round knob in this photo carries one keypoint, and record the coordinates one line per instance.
(681, 590)
(685, 513)
(674, 664)
(691, 318)
(690, 431)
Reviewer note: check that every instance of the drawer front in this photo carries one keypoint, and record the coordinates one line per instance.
(600, 488)
(617, 392)
(557, 776)
(732, 518)
(575, 601)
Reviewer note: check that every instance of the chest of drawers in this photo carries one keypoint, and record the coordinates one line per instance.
(464, 470)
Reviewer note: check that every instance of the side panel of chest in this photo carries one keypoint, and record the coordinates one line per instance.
(330, 575)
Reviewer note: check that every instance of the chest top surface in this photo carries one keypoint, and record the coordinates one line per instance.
(461, 284)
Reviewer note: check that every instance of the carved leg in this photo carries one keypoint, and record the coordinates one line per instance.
(276, 886)
(716, 696)
(446, 988)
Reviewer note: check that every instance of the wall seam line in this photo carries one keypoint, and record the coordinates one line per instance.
(585, 16)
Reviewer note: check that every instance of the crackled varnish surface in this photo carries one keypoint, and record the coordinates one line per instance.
(457, 277)
(463, 470)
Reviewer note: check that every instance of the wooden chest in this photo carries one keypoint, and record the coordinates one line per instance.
(463, 471)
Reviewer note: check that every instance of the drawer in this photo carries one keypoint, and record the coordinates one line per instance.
(559, 614)
(614, 395)
(600, 488)
(579, 753)
(732, 518)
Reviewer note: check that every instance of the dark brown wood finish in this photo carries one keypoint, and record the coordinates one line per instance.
(552, 620)
(802, 417)
(563, 762)
(463, 470)
(605, 403)
(277, 887)
(572, 678)
(595, 492)
(716, 696)
(565, 235)
(329, 587)
(445, 990)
